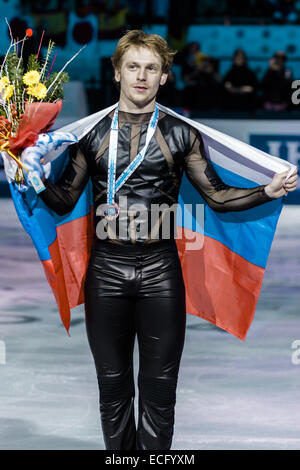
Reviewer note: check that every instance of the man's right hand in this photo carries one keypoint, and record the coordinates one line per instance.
(32, 161)
(33, 156)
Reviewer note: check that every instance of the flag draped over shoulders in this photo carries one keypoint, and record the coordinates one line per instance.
(223, 259)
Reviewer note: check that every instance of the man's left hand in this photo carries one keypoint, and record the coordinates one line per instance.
(279, 187)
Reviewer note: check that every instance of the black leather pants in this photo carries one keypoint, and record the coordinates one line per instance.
(136, 290)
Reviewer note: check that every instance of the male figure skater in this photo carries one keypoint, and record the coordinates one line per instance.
(134, 284)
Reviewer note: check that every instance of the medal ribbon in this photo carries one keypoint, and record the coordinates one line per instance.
(112, 185)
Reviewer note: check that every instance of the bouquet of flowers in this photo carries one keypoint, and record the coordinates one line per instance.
(30, 101)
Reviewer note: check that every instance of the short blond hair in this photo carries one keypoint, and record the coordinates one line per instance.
(139, 38)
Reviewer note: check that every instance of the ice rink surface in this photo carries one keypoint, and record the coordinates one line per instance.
(231, 394)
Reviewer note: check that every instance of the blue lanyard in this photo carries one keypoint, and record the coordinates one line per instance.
(112, 185)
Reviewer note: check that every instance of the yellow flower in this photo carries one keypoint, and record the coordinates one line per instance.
(31, 78)
(4, 81)
(8, 92)
(39, 91)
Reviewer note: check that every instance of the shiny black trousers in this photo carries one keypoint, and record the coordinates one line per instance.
(136, 291)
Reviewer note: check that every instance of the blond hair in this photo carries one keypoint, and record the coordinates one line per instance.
(139, 38)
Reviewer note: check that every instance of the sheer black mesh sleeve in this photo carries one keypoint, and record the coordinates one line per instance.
(219, 196)
(62, 196)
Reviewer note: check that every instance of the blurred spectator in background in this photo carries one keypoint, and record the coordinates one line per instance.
(189, 72)
(208, 86)
(276, 84)
(240, 84)
(202, 82)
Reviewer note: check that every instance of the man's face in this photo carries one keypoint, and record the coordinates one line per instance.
(140, 76)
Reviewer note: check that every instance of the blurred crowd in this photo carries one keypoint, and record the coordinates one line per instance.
(201, 85)
(143, 11)
(263, 11)
(239, 89)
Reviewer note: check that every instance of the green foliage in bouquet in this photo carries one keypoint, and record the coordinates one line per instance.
(14, 72)
(33, 63)
(57, 92)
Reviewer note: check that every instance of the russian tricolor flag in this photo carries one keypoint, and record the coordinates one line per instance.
(223, 275)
